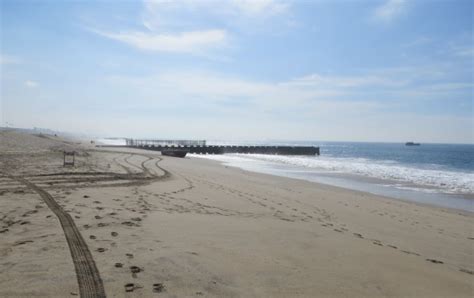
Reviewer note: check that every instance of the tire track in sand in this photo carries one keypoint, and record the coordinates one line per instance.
(88, 277)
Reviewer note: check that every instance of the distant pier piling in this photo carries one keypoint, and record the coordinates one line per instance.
(200, 147)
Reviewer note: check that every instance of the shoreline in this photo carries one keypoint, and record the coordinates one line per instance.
(374, 186)
(346, 189)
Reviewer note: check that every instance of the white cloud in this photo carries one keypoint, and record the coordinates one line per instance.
(186, 26)
(313, 95)
(420, 41)
(5, 59)
(465, 52)
(242, 8)
(31, 84)
(184, 42)
(347, 81)
(260, 7)
(390, 10)
(313, 105)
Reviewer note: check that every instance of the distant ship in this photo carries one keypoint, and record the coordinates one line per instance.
(412, 144)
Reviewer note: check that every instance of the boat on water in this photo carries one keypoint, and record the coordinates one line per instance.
(412, 144)
(174, 152)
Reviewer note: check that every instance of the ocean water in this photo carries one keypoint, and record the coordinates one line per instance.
(436, 174)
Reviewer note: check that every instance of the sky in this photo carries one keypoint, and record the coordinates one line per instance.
(381, 70)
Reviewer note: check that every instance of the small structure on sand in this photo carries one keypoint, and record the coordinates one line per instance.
(69, 158)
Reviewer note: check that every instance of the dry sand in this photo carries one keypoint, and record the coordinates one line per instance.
(189, 227)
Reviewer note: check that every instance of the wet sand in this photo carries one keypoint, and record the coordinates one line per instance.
(134, 223)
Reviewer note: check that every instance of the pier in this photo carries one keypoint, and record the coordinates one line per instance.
(200, 147)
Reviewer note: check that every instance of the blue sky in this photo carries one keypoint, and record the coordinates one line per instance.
(305, 70)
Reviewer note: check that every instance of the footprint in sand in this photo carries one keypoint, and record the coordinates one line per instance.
(118, 265)
(410, 252)
(130, 224)
(435, 261)
(22, 242)
(377, 243)
(466, 271)
(159, 287)
(114, 234)
(101, 249)
(130, 287)
(92, 237)
(135, 270)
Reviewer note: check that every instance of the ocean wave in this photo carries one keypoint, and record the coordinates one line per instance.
(444, 180)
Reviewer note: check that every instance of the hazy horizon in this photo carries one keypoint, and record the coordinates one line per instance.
(362, 71)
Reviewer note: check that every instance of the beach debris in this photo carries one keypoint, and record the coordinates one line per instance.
(129, 255)
(92, 237)
(85, 196)
(118, 265)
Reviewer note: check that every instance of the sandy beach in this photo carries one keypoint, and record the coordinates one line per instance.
(133, 223)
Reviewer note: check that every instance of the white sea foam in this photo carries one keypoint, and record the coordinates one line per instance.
(443, 180)
(114, 142)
